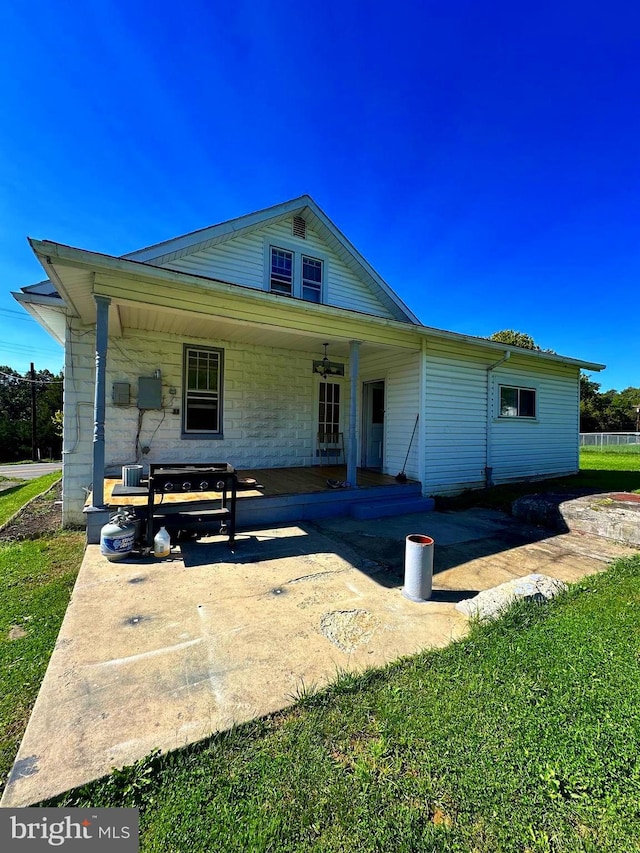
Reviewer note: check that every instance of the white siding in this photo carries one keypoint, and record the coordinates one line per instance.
(400, 373)
(456, 419)
(241, 260)
(456, 412)
(547, 445)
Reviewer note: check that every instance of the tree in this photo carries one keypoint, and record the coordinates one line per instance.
(15, 413)
(611, 411)
(515, 339)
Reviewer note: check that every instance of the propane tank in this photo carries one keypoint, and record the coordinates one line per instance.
(161, 543)
(118, 535)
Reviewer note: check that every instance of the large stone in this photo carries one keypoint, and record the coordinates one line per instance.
(614, 515)
(491, 603)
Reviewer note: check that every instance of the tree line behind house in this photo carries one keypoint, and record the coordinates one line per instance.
(16, 414)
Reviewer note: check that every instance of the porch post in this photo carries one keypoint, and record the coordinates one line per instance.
(99, 406)
(352, 455)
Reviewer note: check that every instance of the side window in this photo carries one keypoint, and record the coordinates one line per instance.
(517, 402)
(202, 392)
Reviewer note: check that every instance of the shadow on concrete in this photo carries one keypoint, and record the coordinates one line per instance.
(375, 547)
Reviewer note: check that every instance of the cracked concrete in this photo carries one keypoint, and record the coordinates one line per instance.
(158, 654)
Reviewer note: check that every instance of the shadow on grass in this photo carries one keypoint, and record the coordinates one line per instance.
(587, 482)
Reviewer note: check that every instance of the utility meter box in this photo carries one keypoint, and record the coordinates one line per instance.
(149, 392)
(121, 393)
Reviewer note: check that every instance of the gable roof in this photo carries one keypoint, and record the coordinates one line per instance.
(163, 253)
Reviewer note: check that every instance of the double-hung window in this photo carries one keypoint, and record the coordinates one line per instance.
(517, 402)
(202, 394)
(294, 273)
(281, 271)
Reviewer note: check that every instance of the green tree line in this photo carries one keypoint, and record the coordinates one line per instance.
(15, 414)
(608, 411)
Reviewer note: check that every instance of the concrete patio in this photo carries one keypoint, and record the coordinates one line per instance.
(158, 654)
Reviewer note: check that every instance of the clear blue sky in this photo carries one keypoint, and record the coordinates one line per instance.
(483, 156)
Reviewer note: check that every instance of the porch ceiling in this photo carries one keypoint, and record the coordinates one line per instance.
(187, 324)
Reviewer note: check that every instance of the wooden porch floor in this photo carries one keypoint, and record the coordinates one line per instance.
(276, 482)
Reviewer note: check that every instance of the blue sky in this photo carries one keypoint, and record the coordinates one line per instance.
(483, 156)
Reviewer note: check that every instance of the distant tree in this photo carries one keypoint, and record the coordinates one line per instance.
(15, 413)
(609, 411)
(515, 339)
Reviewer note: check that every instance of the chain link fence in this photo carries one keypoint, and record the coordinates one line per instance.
(608, 439)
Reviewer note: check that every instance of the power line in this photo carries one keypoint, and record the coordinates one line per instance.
(32, 381)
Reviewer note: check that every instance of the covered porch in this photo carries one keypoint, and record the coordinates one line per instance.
(292, 494)
(139, 324)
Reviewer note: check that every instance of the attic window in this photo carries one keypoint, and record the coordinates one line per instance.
(299, 227)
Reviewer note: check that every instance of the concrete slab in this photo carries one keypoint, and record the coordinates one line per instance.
(158, 654)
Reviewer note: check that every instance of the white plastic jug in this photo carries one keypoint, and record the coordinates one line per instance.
(161, 543)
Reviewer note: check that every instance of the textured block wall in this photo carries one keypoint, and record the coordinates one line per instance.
(269, 414)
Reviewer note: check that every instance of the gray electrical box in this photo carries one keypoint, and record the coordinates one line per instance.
(149, 392)
(121, 393)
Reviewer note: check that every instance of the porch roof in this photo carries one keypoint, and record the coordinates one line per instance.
(161, 300)
(156, 299)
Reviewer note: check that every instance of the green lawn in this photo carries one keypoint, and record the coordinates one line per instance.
(36, 579)
(14, 498)
(523, 737)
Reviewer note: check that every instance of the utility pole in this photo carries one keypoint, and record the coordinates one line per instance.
(33, 414)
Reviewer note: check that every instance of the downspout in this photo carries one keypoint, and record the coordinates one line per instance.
(352, 454)
(488, 469)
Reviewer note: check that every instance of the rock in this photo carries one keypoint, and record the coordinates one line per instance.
(491, 603)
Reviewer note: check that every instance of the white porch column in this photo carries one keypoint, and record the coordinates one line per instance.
(99, 406)
(352, 455)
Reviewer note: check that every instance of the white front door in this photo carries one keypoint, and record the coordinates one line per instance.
(372, 424)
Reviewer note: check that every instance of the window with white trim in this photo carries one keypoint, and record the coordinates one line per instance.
(292, 273)
(329, 407)
(516, 402)
(281, 280)
(202, 392)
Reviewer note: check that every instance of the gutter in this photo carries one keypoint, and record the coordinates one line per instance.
(488, 468)
(47, 251)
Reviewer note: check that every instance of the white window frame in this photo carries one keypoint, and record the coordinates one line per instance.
(330, 380)
(518, 417)
(298, 252)
(189, 393)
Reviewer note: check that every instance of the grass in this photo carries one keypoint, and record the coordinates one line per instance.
(14, 498)
(601, 470)
(36, 579)
(522, 737)
(629, 449)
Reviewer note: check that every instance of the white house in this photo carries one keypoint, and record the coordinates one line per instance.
(225, 327)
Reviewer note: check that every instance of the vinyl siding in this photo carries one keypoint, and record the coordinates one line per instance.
(241, 260)
(548, 444)
(400, 373)
(456, 419)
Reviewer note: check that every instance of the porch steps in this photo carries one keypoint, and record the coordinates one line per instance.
(383, 500)
(384, 508)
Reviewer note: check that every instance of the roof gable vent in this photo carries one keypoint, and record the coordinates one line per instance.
(299, 227)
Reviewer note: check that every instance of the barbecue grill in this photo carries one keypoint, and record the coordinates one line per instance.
(174, 479)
